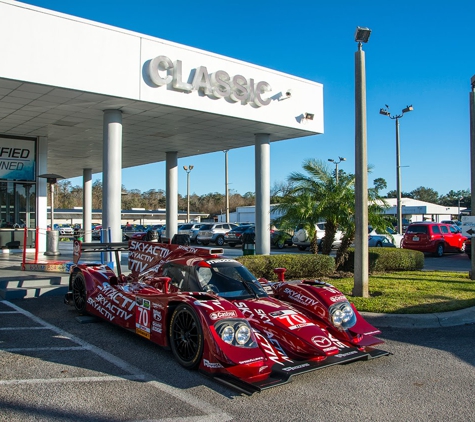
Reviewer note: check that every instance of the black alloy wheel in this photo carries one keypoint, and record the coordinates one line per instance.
(186, 337)
(79, 292)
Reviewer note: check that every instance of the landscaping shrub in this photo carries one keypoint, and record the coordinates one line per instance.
(388, 259)
(298, 266)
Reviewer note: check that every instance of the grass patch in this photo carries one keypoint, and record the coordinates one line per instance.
(412, 292)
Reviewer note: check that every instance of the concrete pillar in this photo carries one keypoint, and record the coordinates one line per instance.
(171, 193)
(112, 174)
(87, 204)
(42, 192)
(262, 176)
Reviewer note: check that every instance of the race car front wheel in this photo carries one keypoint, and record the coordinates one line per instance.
(186, 337)
(79, 292)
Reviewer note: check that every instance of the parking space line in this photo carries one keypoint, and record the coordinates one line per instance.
(22, 328)
(41, 349)
(212, 413)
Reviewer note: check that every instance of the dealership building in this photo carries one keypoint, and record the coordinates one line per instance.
(78, 97)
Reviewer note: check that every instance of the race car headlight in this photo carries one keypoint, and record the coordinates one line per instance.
(236, 332)
(342, 315)
(243, 334)
(228, 334)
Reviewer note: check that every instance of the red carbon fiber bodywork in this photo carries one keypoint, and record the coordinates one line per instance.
(291, 328)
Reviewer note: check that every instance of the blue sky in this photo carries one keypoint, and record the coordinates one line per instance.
(420, 53)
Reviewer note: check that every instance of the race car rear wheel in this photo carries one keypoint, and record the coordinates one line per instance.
(186, 337)
(78, 286)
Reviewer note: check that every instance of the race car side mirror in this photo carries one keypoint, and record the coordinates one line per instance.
(280, 273)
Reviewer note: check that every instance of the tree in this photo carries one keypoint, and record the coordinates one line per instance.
(425, 194)
(315, 196)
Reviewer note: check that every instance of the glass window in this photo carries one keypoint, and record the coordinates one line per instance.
(444, 229)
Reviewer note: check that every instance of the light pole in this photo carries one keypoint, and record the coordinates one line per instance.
(458, 215)
(340, 159)
(188, 171)
(226, 184)
(385, 112)
(360, 287)
(472, 167)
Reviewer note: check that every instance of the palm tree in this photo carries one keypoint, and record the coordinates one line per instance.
(315, 196)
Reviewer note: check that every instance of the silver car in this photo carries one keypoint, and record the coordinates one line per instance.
(191, 229)
(214, 233)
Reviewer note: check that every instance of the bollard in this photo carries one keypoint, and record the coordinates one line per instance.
(52, 243)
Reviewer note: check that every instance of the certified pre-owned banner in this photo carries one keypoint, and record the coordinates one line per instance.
(17, 159)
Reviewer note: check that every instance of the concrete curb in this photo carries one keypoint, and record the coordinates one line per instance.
(440, 319)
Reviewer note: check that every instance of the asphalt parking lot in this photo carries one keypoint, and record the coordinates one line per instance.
(55, 367)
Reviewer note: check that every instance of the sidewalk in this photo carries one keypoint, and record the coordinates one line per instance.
(36, 282)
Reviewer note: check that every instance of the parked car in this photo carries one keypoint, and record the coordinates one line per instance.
(64, 230)
(390, 234)
(234, 236)
(302, 241)
(191, 229)
(96, 232)
(435, 238)
(214, 233)
(468, 247)
(278, 239)
(130, 229)
(149, 235)
(380, 241)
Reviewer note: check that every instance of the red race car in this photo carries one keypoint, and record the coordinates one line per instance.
(216, 316)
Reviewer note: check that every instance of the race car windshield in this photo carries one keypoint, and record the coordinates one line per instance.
(229, 280)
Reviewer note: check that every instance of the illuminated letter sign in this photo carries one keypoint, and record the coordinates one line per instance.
(219, 84)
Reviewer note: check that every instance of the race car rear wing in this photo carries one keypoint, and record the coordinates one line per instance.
(80, 248)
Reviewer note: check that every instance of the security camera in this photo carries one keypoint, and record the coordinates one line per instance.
(288, 93)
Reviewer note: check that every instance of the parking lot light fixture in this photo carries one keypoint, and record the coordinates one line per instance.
(385, 112)
(188, 171)
(340, 159)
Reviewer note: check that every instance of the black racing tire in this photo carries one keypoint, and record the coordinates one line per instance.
(439, 252)
(219, 241)
(186, 337)
(78, 287)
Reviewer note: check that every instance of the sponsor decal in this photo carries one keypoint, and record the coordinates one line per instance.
(223, 314)
(209, 304)
(321, 341)
(157, 315)
(294, 368)
(342, 355)
(111, 303)
(142, 317)
(272, 348)
(219, 261)
(338, 298)
(157, 327)
(300, 298)
(244, 362)
(337, 342)
(213, 365)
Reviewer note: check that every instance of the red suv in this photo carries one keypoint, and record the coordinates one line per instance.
(435, 238)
